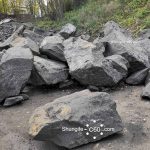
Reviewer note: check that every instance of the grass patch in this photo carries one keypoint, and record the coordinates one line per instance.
(132, 14)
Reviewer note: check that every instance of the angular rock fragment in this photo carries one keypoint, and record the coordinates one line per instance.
(120, 64)
(15, 69)
(145, 34)
(53, 48)
(67, 84)
(26, 43)
(113, 27)
(88, 65)
(119, 41)
(138, 77)
(6, 43)
(33, 36)
(67, 30)
(48, 72)
(26, 89)
(25, 96)
(137, 60)
(145, 46)
(146, 92)
(57, 121)
(13, 101)
(7, 28)
(115, 38)
(5, 21)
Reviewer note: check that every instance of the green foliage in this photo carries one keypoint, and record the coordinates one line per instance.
(137, 3)
(142, 12)
(68, 4)
(45, 24)
(132, 14)
(147, 22)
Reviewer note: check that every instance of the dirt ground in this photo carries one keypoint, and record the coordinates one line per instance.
(135, 114)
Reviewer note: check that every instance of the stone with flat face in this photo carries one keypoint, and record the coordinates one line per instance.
(6, 43)
(119, 41)
(68, 120)
(33, 36)
(13, 101)
(137, 78)
(88, 65)
(67, 30)
(26, 43)
(53, 48)
(48, 72)
(15, 69)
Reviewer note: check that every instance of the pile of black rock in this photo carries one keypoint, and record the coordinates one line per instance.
(36, 57)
